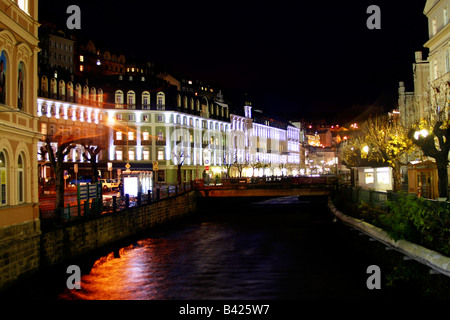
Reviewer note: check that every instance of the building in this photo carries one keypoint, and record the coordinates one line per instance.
(19, 206)
(413, 106)
(263, 146)
(57, 50)
(430, 99)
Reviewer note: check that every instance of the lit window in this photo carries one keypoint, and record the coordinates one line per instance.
(131, 135)
(131, 155)
(146, 155)
(145, 135)
(43, 128)
(160, 136)
(383, 175)
(23, 4)
(119, 155)
(160, 155)
(81, 58)
(81, 68)
(118, 135)
(368, 176)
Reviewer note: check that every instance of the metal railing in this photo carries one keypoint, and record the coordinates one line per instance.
(112, 205)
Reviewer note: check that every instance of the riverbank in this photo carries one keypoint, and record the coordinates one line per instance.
(434, 260)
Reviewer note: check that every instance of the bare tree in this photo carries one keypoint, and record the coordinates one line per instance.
(56, 159)
(92, 147)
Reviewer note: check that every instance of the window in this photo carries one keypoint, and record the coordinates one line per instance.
(131, 117)
(119, 99)
(119, 155)
(23, 4)
(118, 135)
(131, 99)
(131, 155)
(44, 129)
(20, 180)
(145, 99)
(3, 179)
(119, 117)
(3, 77)
(20, 85)
(146, 155)
(161, 100)
(160, 155)
(368, 176)
(383, 175)
(145, 136)
(130, 135)
(145, 118)
(81, 58)
(160, 136)
(160, 118)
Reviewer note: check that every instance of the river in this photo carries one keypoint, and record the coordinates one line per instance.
(243, 249)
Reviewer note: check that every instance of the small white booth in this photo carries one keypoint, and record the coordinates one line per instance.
(378, 179)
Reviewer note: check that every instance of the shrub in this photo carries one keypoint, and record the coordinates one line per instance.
(418, 220)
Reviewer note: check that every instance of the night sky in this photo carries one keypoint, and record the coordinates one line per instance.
(308, 60)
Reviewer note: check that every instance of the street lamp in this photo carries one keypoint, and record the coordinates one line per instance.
(423, 133)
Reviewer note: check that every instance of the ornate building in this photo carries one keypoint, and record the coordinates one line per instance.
(19, 206)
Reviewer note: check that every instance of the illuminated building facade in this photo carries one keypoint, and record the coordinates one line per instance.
(263, 146)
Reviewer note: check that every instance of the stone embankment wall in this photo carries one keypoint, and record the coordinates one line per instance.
(433, 259)
(24, 249)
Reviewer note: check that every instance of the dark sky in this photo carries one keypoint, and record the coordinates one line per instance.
(296, 59)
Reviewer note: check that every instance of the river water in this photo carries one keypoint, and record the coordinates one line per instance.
(243, 249)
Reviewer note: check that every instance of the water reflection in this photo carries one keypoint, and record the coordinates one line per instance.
(138, 273)
(259, 253)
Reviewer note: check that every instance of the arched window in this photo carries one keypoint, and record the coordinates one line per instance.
(70, 91)
(178, 100)
(3, 178)
(44, 87)
(3, 77)
(131, 99)
(160, 100)
(78, 92)
(185, 102)
(192, 104)
(62, 90)
(100, 95)
(20, 86)
(86, 93)
(93, 94)
(119, 99)
(145, 100)
(53, 89)
(20, 180)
